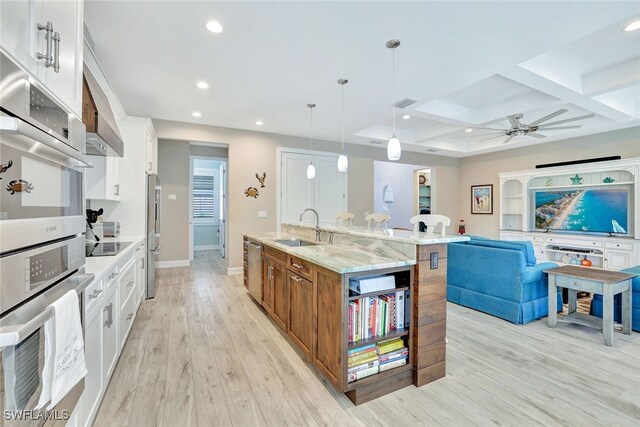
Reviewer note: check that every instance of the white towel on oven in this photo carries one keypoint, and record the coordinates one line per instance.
(64, 364)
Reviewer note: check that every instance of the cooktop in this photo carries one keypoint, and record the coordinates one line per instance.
(104, 248)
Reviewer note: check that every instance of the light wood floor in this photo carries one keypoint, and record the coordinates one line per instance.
(203, 354)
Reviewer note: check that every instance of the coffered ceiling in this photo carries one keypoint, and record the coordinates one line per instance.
(466, 64)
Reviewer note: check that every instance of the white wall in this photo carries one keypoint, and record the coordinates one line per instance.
(402, 180)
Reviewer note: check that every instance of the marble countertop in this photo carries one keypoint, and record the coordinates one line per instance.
(99, 265)
(403, 236)
(340, 259)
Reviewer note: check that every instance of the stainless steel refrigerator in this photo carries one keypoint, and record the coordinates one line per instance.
(154, 209)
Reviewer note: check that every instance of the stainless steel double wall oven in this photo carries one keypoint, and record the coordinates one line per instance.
(42, 250)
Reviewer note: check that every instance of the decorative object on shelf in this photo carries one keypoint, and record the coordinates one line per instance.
(311, 169)
(566, 259)
(422, 179)
(261, 179)
(19, 186)
(252, 192)
(394, 150)
(462, 227)
(5, 167)
(586, 262)
(608, 180)
(343, 161)
(482, 199)
(576, 180)
(548, 182)
(575, 261)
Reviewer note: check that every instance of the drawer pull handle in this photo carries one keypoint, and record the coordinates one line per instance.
(130, 284)
(95, 294)
(297, 279)
(129, 316)
(113, 275)
(298, 266)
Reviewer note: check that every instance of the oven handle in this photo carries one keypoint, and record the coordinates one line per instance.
(14, 125)
(13, 331)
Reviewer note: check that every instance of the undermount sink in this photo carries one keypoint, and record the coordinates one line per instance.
(295, 242)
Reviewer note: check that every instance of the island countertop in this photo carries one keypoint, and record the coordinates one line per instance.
(338, 258)
(403, 236)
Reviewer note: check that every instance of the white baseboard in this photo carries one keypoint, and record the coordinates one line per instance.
(234, 271)
(206, 247)
(171, 264)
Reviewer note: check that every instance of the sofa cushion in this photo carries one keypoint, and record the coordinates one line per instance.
(525, 247)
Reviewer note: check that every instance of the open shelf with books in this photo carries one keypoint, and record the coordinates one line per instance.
(377, 356)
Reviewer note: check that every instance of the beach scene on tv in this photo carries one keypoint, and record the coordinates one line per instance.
(589, 210)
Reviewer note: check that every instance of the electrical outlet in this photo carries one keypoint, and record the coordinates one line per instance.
(434, 260)
(172, 197)
(262, 214)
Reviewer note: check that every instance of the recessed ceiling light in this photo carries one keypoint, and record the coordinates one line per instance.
(202, 85)
(259, 123)
(214, 27)
(406, 117)
(196, 114)
(633, 26)
(467, 130)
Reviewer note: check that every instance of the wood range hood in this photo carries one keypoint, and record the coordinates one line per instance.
(103, 137)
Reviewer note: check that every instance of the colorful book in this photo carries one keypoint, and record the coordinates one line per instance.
(362, 374)
(360, 350)
(390, 345)
(398, 354)
(393, 364)
(360, 361)
(354, 360)
(364, 366)
(400, 309)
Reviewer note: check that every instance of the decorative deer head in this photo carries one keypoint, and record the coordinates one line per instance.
(261, 180)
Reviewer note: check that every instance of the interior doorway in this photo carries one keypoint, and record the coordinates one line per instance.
(207, 204)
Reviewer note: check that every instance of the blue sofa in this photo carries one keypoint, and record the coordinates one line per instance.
(499, 278)
(596, 302)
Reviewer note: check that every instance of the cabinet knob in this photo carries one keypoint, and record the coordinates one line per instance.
(298, 266)
(130, 284)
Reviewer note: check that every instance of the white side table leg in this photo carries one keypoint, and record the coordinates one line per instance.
(553, 302)
(607, 314)
(626, 310)
(573, 300)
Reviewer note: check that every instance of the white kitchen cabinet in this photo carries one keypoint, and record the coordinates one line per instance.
(110, 344)
(93, 382)
(141, 283)
(104, 178)
(21, 39)
(617, 259)
(152, 149)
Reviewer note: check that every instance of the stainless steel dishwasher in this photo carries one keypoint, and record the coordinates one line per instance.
(254, 272)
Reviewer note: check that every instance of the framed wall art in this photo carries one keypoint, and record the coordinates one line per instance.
(482, 199)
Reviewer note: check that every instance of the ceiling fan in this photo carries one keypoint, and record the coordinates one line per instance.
(522, 129)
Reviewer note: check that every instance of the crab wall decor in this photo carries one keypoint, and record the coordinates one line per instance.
(261, 179)
(252, 192)
(5, 167)
(19, 186)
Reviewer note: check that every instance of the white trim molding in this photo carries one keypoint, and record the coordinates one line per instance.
(235, 271)
(173, 263)
(206, 247)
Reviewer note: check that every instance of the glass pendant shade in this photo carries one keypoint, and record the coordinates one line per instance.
(343, 163)
(393, 148)
(311, 171)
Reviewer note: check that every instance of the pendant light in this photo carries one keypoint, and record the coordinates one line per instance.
(393, 147)
(311, 169)
(343, 161)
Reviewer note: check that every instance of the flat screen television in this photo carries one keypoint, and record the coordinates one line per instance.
(595, 210)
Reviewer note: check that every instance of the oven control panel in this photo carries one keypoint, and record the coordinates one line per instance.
(45, 266)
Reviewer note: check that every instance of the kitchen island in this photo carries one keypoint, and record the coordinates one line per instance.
(305, 291)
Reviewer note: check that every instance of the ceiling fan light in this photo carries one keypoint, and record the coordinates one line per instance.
(343, 163)
(394, 151)
(311, 171)
(632, 27)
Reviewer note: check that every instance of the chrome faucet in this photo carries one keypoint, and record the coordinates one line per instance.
(317, 221)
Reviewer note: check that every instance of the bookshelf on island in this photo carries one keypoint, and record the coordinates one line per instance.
(584, 214)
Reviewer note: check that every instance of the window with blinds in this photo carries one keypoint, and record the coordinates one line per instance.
(204, 196)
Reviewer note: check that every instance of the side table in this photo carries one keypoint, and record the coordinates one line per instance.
(604, 282)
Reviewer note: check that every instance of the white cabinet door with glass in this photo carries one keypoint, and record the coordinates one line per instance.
(104, 179)
(326, 193)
